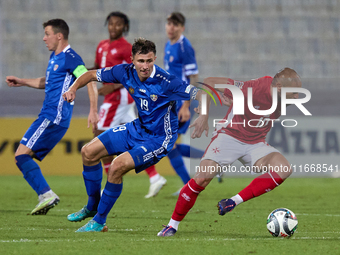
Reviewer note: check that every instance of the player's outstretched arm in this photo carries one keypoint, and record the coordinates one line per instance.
(37, 83)
(80, 82)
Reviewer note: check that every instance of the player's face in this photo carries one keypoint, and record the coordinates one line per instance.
(173, 31)
(115, 27)
(51, 39)
(144, 64)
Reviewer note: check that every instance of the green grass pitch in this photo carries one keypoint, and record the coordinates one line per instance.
(134, 221)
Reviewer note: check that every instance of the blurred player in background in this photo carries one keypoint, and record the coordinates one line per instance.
(118, 106)
(140, 143)
(179, 60)
(245, 143)
(64, 66)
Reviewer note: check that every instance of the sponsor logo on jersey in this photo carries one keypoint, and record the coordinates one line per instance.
(154, 97)
(142, 90)
(131, 90)
(55, 67)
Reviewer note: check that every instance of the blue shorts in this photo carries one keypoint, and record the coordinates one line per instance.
(146, 149)
(42, 136)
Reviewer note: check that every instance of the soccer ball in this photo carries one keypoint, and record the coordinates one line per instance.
(282, 222)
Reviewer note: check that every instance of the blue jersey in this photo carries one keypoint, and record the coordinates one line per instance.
(61, 72)
(179, 59)
(155, 98)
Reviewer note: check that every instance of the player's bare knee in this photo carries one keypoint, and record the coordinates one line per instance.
(87, 154)
(118, 168)
(280, 165)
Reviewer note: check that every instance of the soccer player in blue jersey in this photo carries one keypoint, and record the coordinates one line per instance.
(140, 143)
(179, 60)
(64, 66)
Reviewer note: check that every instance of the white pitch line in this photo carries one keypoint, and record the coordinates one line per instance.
(45, 240)
(310, 214)
(169, 239)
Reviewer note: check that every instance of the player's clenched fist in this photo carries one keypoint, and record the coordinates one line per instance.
(13, 81)
(69, 96)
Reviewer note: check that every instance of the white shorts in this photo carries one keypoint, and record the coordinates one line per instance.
(225, 150)
(113, 116)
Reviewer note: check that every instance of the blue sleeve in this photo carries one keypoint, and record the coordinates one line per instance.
(189, 59)
(180, 90)
(72, 61)
(113, 74)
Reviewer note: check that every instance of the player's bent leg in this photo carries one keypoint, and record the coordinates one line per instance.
(92, 174)
(276, 162)
(187, 197)
(278, 169)
(113, 188)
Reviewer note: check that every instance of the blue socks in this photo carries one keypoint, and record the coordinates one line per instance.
(93, 176)
(109, 197)
(177, 163)
(189, 152)
(32, 173)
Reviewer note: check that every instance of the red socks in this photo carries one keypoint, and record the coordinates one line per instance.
(186, 199)
(260, 185)
(151, 171)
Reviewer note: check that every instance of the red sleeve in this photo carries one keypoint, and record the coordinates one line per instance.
(127, 53)
(97, 58)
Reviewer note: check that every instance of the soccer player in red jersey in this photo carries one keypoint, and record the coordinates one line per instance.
(118, 105)
(244, 141)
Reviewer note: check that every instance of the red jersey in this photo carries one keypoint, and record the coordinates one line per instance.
(250, 128)
(111, 54)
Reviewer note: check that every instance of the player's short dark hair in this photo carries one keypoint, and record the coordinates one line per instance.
(176, 18)
(120, 15)
(58, 26)
(143, 46)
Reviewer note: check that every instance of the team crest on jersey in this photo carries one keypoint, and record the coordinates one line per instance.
(171, 59)
(239, 84)
(154, 97)
(131, 90)
(55, 67)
